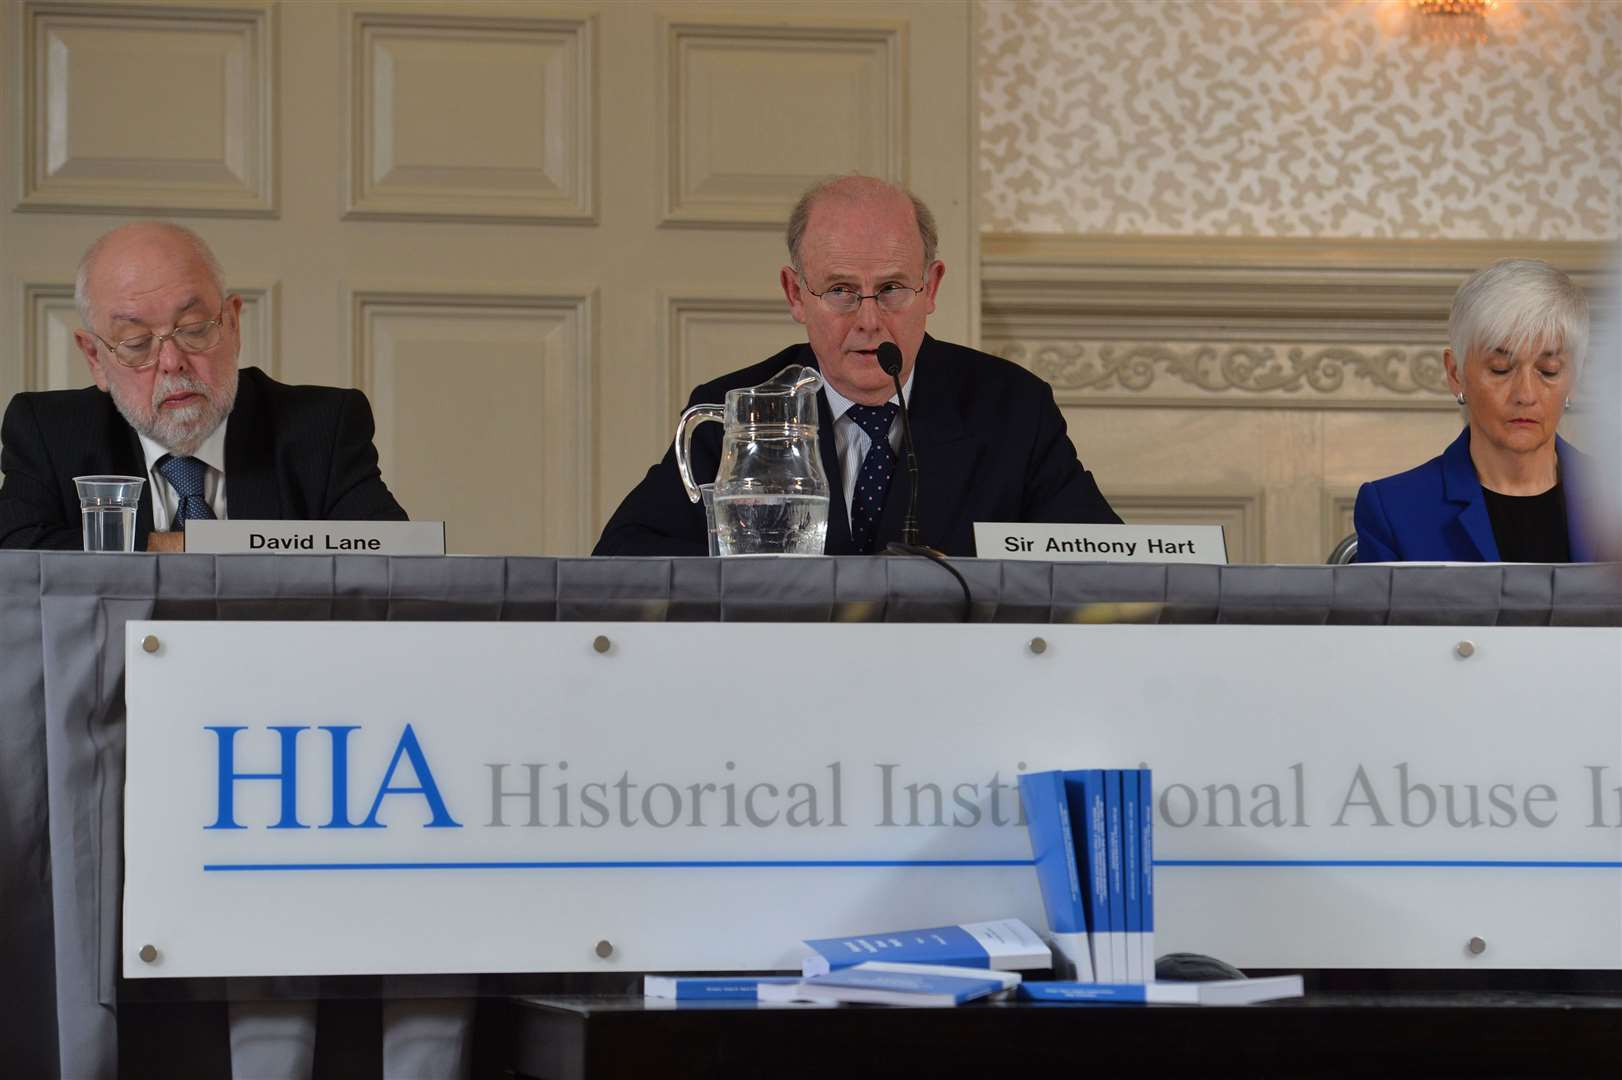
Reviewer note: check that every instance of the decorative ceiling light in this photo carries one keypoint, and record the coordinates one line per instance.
(1451, 20)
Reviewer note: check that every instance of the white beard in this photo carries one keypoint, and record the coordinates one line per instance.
(180, 431)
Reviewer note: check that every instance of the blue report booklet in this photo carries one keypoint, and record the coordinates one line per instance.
(1054, 849)
(880, 983)
(1002, 944)
(1115, 931)
(1088, 817)
(1221, 992)
(1131, 878)
(708, 987)
(1146, 867)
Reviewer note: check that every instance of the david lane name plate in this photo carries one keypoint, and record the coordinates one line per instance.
(315, 537)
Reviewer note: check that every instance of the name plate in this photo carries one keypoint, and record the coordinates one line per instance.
(1101, 543)
(244, 537)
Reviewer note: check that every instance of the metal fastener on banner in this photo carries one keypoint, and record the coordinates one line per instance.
(150, 643)
(605, 949)
(1465, 649)
(601, 643)
(148, 953)
(1037, 645)
(1477, 946)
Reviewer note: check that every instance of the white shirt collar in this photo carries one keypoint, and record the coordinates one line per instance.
(211, 453)
(838, 403)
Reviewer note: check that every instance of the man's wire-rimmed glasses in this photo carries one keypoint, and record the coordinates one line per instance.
(892, 296)
(140, 352)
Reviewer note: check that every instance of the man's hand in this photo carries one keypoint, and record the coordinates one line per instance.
(165, 541)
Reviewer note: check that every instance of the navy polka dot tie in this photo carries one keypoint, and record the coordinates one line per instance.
(873, 479)
(185, 475)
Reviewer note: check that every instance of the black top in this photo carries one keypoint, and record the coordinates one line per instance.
(1530, 528)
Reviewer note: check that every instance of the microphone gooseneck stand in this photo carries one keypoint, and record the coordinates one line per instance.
(911, 543)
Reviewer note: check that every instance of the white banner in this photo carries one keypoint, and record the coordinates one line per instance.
(335, 798)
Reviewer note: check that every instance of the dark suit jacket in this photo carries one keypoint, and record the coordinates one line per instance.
(297, 453)
(991, 447)
(1437, 513)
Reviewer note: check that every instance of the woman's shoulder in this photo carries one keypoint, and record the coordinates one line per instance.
(1421, 480)
(1570, 455)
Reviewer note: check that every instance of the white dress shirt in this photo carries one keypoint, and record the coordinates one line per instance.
(165, 503)
(852, 443)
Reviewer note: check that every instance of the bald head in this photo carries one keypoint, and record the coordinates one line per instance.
(161, 336)
(866, 192)
(862, 273)
(128, 251)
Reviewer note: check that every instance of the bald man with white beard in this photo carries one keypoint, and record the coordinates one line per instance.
(161, 336)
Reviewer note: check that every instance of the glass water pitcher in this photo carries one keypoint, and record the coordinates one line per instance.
(771, 495)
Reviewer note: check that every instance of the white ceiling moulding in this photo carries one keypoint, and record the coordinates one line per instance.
(1240, 322)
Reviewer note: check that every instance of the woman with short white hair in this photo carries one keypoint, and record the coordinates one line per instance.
(1503, 491)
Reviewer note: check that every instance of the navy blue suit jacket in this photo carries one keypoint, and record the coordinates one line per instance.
(292, 453)
(1437, 512)
(991, 447)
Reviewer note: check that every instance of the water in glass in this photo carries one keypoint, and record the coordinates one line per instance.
(771, 524)
(109, 528)
(770, 492)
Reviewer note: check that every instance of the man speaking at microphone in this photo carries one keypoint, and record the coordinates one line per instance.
(990, 439)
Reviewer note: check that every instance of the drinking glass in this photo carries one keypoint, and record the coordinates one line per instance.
(108, 505)
(707, 492)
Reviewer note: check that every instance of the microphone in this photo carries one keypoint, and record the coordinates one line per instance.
(890, 364)
(890, 360)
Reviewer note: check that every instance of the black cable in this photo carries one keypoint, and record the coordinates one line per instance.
(909, 524)
(895, 547)
(910, 543)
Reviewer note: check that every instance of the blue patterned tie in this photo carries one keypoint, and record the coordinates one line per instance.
(185, 475)
(873, 479)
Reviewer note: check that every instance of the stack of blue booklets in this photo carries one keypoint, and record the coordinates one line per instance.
(879, 982)
(1218, 992)
(1092, 839)
(944, 966)
(984, 953)
(689, 988)
(1001, 945)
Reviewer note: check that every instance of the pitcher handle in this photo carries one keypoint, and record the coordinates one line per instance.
(684, 442)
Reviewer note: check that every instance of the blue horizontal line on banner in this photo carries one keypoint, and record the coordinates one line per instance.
(746, 864)
(1511, 864)
(627, 864)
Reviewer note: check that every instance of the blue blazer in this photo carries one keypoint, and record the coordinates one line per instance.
(1437, 512)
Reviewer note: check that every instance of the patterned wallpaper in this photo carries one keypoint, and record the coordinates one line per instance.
(1315, 118)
